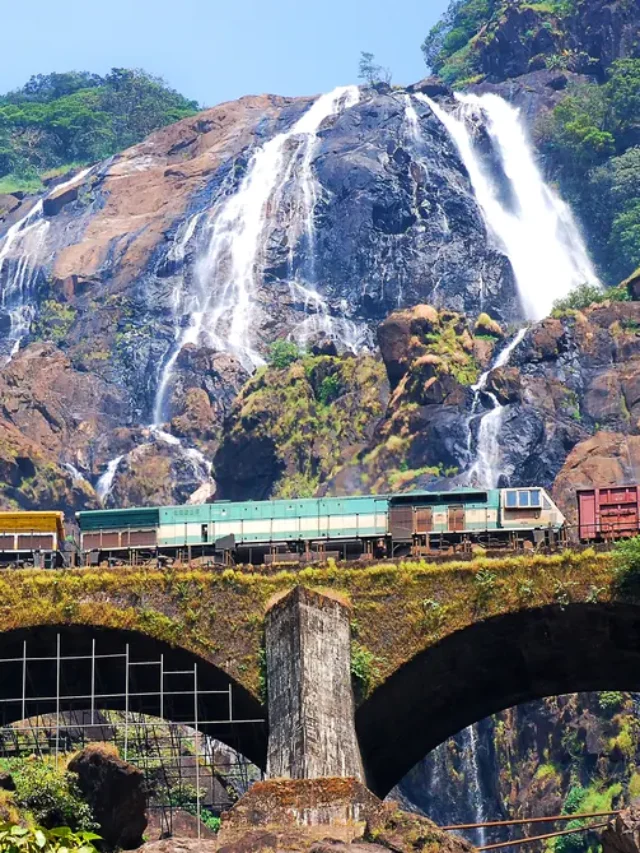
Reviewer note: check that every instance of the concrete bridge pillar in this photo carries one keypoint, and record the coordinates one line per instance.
(311, 708)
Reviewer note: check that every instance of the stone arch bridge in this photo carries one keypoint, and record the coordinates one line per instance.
(432, 649)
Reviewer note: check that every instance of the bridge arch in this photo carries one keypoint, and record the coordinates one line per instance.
(489, 666)
(73, 667)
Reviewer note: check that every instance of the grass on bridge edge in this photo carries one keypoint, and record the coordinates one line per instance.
(397, 608)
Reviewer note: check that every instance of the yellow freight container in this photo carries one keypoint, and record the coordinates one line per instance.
(40, 522)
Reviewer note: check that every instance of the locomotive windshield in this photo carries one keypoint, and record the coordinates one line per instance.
(523, 498)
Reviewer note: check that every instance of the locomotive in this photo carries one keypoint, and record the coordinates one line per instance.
(313, 529)
(415, 523)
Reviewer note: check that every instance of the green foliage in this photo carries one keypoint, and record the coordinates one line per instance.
(591, 139)
(330, 389)
(363, 668)
(585, 295)
(485, 582)
(283, 353)
(57, 119)
(185, 796)
(626, 555)
(610, 701)
(54, 321)
(579, 799)
(38, 839)
(452, 34)
(370, 71)
(51, 796)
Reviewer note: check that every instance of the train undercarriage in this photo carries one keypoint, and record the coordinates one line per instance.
(225, 553)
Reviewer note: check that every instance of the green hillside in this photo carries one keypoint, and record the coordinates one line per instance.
(57, 120)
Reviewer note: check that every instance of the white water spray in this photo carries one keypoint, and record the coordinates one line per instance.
(230, 270)
(472, 780)
(532, 225)
(411, 119)
(176, 255)
(485, 471)
(23, 247)
(105, 481)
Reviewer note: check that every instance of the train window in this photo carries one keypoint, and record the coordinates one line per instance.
(523, 498)
(534, 497)
(512, 499)
(204, 532)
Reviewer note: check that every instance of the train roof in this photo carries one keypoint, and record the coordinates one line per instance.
(348, 504)
(38, 520)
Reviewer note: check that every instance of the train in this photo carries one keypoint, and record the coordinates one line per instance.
(308, 530)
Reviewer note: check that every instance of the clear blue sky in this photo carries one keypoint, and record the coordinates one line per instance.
(216, 50)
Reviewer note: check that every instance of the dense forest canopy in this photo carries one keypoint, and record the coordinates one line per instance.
(591, 142)
(56, 120)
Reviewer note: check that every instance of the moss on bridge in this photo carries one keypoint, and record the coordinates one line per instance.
(398, 609)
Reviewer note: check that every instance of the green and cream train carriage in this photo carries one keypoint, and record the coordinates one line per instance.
(288, 530)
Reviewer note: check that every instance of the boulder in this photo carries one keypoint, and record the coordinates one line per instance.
(506, 384)
(8, 203)
(432, 87)
(6, 782)
(622, 835)
(633, 285)
(605, 459)
(485, 325)
(116, 792)
(53, 203)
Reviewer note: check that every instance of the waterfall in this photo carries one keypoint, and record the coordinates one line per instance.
(105, 481)
(21, 252)
(411, 119)
(176, 255)
(472, 780)
(228, 273)
(485, 471)
(22, 246)
(527, 219)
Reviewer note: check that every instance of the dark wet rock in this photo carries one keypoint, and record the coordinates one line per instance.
(54, 202)
(433, 87)
(7, 782)
(115, 790)
(523, 38)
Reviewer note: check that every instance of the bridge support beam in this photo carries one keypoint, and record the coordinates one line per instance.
(311, 707)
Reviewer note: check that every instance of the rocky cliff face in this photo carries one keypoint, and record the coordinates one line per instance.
(587, 38)
(125, 301)
(563, 755)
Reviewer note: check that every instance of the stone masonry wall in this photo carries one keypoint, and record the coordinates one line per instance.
(311, 707)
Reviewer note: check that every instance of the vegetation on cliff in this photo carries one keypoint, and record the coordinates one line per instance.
(476, 39)
(297, 421)
(57, 120)
(592, 141)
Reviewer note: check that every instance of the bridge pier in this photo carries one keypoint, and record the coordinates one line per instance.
(311, 707)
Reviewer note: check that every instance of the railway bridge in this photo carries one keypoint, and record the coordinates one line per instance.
(266, 662)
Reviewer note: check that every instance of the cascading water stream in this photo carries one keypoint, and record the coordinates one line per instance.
(176, 255)
(21, 252)
(528, 220)
(105, 481)
(228, 273)
(485, 471)
(411, 119)
(472, 779)
(220, 303)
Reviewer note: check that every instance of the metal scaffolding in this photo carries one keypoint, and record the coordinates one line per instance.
(184, 767)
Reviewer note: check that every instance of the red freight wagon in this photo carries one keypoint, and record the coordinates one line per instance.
(609, 513)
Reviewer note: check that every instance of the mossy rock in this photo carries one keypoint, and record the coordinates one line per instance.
(485, 325)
